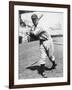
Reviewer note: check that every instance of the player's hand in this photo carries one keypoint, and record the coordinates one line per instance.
(31, 32)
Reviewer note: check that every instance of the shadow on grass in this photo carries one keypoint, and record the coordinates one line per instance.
(39, 70)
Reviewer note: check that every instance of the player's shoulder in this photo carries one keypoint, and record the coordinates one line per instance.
(40, 27)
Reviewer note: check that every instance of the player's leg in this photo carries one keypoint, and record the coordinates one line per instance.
(51, 54)
(48, 45)
(42, 55)
(42, 61)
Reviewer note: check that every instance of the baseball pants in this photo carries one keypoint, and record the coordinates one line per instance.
(46, 49)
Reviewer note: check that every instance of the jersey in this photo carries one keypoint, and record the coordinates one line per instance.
(41, 33)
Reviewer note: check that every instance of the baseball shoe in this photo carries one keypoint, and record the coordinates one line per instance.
(54, 65)
(42, 70)
(44, 75)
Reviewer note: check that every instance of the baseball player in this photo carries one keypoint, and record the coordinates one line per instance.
(46, 44)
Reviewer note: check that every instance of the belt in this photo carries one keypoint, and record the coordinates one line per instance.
(41, 41)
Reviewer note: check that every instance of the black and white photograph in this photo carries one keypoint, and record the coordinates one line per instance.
(40, 44)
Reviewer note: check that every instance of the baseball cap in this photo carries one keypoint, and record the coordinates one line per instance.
(34, 16)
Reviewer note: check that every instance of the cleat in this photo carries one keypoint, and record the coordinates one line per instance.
(54, 66)
(42, 71)
(44, 75)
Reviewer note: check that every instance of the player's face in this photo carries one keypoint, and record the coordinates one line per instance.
(35, 21)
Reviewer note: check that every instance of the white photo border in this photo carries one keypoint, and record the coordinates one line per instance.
(41, 80)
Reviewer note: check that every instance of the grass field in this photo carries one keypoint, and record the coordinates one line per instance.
(29, 54)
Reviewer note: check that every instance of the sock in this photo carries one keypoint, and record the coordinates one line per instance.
(52, 59)
(53, 62)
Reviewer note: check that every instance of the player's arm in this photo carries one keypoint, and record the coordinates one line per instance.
(32, 32)
(32, 35)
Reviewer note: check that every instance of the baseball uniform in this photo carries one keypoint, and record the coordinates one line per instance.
(46, 44)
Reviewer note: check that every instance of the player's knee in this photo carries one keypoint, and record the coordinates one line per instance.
(52, 58)
(43, 56)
